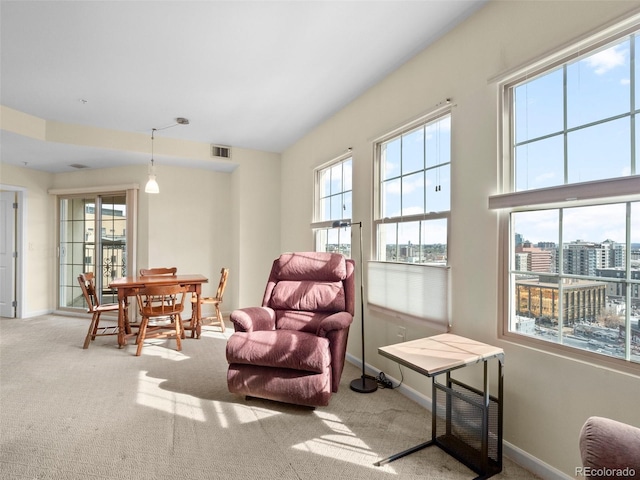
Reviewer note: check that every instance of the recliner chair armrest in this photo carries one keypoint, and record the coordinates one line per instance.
(253, 318)
(337, 321)
(609, 448)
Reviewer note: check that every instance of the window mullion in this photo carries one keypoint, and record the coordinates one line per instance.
(401, 185)
(632, 101)
(424, 166)
(627, 285)
(560, 271)
(565, 124)
(98, 260)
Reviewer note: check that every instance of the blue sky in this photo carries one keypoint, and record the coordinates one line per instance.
(598, 87)
(425, 147)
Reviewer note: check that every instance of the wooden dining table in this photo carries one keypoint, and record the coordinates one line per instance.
(130, 286)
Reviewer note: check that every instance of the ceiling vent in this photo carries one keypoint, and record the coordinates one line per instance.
(78, 165)
(220, 151)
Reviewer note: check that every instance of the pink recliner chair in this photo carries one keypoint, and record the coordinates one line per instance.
(292, 348)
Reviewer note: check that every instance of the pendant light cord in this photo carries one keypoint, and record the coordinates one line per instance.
(153, 131)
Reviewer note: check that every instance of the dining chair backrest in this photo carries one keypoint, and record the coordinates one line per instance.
(224, 274)
(146, 272)
(161, 300)
(160, 303)
(89, 291)
(215, 301)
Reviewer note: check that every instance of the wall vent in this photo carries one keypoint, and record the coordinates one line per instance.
(220, 151)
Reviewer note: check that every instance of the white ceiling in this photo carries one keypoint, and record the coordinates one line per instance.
(251, 74)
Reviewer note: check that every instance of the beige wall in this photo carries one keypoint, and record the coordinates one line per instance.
(255, 202)
(190, 224)
(547, 397)
(39, 252)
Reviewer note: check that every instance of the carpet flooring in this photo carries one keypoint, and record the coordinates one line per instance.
(102, 413)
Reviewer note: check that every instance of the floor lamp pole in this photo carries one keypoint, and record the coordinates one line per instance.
(364, 384)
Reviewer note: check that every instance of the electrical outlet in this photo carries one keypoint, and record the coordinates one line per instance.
(402, 334)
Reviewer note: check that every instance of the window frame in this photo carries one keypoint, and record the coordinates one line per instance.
(130, 193)
(621, 189)
(441, 111)
(320, 225)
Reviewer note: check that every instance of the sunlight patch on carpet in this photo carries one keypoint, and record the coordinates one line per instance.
(222, 416)
(211, 333)
(159, 348)
(151, 395)
(343, 445)
(246, 414)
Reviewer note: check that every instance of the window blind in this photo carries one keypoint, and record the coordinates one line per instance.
(418, 291)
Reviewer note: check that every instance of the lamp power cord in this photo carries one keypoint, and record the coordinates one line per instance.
(384, 382)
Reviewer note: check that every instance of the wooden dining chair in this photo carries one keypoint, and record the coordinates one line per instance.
(215, 301)
(95, 308)
(164, 304)
(158, 271)
(146, 272)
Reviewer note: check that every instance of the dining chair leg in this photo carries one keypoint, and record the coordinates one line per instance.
(179, 332)
(183, 334)
(95, 327)
(219, 317)
(91, 333)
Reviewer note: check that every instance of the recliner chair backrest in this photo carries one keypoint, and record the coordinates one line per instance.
(306, 287)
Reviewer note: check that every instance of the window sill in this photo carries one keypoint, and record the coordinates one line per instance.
(573, 354)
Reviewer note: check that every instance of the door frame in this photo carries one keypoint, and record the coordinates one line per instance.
(20, 247)
(130, 192)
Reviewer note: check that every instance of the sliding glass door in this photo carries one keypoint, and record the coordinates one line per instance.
(93, 238)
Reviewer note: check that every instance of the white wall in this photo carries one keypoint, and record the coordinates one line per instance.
(547, 397)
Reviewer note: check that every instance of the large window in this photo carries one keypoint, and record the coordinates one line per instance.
(410, 274)
(572, 201)
(333, 205)
(414, 193)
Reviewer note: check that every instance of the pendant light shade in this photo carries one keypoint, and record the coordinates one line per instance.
(152, 185)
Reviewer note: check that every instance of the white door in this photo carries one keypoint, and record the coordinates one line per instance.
(7, 254)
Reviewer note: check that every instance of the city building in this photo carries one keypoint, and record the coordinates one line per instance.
(583, 300)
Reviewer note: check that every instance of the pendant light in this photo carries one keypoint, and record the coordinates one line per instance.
(152, 185)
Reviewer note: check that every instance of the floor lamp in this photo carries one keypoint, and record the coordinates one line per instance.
(366, 383)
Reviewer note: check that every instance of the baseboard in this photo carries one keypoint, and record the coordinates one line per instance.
(37, 314)
(510, 451)
(533, 464)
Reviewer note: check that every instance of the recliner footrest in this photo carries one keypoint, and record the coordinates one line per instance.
(281, 349)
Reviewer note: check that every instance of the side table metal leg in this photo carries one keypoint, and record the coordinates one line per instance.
(403, 453)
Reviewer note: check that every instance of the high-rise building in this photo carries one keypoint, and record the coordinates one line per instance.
(580, 258)
(538, 260)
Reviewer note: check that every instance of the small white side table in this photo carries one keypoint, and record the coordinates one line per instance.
(470, 419)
